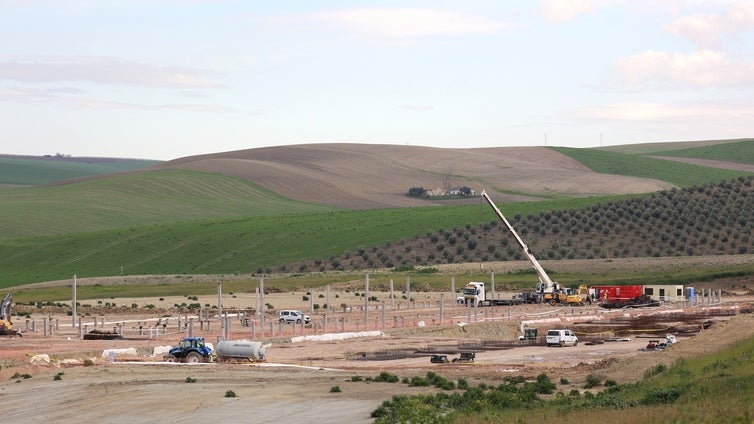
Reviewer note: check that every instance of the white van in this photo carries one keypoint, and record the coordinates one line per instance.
(561, 337)
(289, 316)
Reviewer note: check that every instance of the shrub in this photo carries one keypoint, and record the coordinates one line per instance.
(356, 378)
(386, 377)
(591, 381)
(662, 396)
(544, 385)
(190, 380)
(335, 389)
(230, 393)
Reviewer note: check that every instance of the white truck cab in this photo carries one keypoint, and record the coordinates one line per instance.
(561, 337)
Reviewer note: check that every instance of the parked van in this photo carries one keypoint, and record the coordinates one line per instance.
(288, 316)
(561, 337)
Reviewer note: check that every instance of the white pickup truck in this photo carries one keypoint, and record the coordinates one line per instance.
(561, 337)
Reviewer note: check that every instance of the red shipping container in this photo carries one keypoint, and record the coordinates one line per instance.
(611, 294)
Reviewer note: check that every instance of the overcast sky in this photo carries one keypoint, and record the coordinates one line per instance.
(163, 79)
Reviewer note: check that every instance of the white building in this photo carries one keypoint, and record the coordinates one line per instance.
(665, 292)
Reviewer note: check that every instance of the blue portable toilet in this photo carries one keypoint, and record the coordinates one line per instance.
(690, 295)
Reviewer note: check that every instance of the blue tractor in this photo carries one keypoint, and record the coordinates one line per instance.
(192, 350)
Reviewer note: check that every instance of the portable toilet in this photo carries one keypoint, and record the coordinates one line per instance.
(690, 295)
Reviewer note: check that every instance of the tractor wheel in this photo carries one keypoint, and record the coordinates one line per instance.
(193, 358)
(171, 358)
(552, 302)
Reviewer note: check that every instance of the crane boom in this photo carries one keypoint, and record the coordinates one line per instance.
(546, 285)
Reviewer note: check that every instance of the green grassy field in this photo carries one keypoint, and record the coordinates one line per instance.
(35, 171)
(175, 221)
(660, 148)
(742, 151)
(233, 245)
(136, 200)
(680, 174)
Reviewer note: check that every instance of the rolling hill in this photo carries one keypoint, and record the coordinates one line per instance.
(361, 176)
(280, 206)
(18, 170)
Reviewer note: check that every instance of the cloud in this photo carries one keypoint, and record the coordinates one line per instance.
(565, 10)
(408, 22)
(706, 29)
(76, 99)
(641, 112)
(102, 70)
(700, 68)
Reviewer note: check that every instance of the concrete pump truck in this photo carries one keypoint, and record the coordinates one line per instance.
(550, 290)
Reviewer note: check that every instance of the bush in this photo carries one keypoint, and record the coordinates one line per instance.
(386, 377)
(190, 380)
(544, 385)
(335, 389)
(230, 393)
(356, 378)
(662, 396)
(591, 381)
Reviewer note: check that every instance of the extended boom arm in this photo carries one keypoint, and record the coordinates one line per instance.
(545, 283)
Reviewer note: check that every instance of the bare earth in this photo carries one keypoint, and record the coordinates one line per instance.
(294, 385)
(364, 176)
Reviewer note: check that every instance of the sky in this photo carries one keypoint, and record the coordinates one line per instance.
(163, 79)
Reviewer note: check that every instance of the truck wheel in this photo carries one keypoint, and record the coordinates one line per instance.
(171, 358)
(298, 321)
(193, 358)
(576, 343)
(281, 320)
(562, 343)
(552, 302)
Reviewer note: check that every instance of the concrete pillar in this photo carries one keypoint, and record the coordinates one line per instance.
(191, 327)
(366, 299)
(442, 308)
(408, 290)
(73, 302)
(220, 299)
(492, 283)
(453, 288)
(44, 322)
(383, 315)
(262, 304)
(392, 295)
(311, 302)
(327, 299)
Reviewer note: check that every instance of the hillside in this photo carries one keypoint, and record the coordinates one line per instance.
(713, 219)
(34, 170)
(361, 176)
(319, 177)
